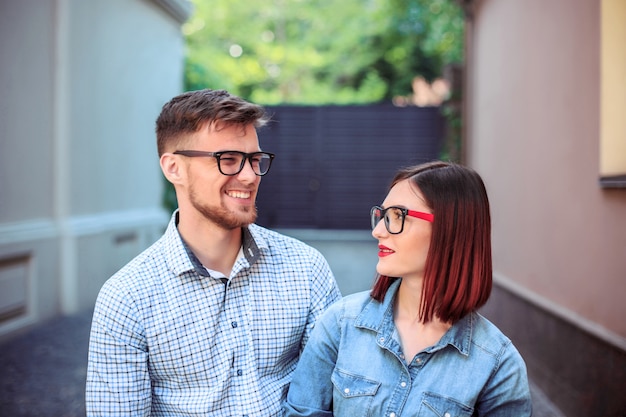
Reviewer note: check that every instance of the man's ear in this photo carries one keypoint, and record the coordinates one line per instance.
(172, 168)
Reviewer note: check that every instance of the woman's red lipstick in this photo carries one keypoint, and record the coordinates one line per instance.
(384, 251)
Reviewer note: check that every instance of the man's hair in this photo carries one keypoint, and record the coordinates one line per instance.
(193, 110)
(458, 270)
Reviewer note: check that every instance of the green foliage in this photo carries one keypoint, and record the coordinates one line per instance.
(320, 51)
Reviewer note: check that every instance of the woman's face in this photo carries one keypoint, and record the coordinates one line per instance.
(404, 254)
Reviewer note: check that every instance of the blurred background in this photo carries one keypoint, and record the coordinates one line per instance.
(532, 95)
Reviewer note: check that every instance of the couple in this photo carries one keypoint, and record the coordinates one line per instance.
(221, 317)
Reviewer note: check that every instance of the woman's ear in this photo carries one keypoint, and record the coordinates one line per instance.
(172, 168)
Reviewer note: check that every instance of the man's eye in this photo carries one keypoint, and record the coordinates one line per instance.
(230, 159)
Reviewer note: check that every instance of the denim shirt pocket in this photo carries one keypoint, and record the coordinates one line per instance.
(352, 392)
(434, 405)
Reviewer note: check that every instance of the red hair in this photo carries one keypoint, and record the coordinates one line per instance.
(458, 270)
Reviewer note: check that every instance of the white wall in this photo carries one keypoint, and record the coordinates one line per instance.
(82, 83)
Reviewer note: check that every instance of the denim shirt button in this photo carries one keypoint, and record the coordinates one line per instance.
(403, 384)
(446, 415)
(392, 414)
(347, 390)
(382, 340)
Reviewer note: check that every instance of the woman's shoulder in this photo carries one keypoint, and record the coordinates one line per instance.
(350, 305)
(488, 336)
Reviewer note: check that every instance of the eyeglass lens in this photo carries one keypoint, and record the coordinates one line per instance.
(393, 216)
(231, 163)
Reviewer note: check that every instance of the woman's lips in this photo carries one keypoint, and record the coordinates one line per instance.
(384, 251)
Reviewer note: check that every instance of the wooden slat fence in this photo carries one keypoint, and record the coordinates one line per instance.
(334, 162)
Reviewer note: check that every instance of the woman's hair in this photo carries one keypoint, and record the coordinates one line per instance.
(458, 270)
(191, 111)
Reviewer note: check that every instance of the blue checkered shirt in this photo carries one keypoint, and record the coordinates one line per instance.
(167, 339)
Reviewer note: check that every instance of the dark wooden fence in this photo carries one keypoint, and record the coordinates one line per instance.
(333, 163)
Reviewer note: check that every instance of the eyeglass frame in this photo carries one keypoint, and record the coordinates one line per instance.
(429, 217)
(217, 155)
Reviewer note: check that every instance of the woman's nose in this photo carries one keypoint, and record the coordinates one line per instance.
(379, 230)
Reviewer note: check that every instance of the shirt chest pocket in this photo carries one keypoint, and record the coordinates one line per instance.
(434, 405)
(352, 393)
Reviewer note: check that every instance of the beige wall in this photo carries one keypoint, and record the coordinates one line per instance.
(534, 134)
(82, 83)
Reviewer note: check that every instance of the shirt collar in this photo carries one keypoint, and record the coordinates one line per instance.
(175, 246)
(378, 317)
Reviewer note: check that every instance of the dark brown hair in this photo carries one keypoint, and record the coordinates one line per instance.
(190, 111)
(458, 270)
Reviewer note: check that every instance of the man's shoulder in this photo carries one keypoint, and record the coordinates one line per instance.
(273, 239)
(144, 268)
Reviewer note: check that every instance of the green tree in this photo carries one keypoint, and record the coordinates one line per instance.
(320, 51)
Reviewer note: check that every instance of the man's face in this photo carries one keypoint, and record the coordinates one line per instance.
(227, 201)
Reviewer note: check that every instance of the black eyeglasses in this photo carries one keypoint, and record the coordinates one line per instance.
(232, 162)
(394, 217)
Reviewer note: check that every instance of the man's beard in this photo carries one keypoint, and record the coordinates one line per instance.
(223, 217)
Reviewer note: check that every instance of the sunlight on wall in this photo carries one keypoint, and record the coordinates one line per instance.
(613, 88)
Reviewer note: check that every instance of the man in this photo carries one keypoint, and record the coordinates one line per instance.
(211, 319)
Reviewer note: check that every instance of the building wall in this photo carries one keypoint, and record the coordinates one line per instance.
(80, 186)
(559, 239)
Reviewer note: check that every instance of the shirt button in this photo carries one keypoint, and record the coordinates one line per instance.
(234, 324)
(403, 384)
(381, 340)
(418, 360)
(239, 372)
(347, 390)
(446, 415)
(392, 414)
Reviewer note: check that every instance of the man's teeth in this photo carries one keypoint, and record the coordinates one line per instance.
(239, 194)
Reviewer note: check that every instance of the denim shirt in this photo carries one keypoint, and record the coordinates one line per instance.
(353, 366)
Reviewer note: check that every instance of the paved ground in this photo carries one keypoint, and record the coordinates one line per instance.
(42, 371)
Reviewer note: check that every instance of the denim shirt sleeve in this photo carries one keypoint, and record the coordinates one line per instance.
(507, 392)
(311, 391)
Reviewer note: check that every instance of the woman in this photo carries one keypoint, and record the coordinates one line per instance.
(415, 345)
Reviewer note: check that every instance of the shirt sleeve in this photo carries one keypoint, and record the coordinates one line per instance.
(324, 293)
(311, 390)
(118, 382)
(508, 392)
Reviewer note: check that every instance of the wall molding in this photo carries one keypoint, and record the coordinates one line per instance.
(43, 229)
(561, 312)
(179, 9)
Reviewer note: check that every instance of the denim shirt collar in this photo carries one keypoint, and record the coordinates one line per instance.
(378, 317)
